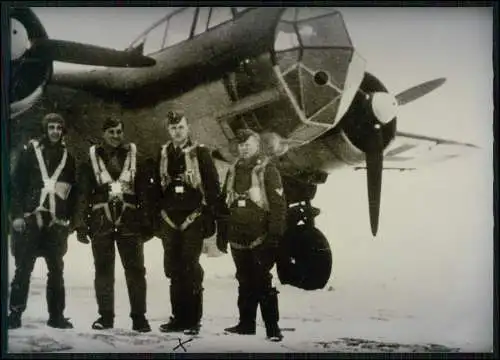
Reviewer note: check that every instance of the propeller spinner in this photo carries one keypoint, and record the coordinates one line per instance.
(384, 107)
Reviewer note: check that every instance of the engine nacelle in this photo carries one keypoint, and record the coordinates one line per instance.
(343, 149)
(28, 77)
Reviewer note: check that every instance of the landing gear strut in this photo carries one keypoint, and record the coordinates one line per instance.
(302, 213)
(308, 261)
(299, 195)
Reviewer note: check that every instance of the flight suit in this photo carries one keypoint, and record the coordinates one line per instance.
(189, 191)
(255, 225)
(110, 210)
(43, 192)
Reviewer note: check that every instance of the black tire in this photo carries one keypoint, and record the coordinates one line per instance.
(307, 258)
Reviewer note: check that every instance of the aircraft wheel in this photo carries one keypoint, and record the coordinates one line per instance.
(308, 261)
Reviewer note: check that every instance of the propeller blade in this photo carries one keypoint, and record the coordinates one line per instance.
(374, 167)
(418, 91)
(84, 54)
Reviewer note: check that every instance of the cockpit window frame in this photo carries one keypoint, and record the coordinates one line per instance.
(164, 21)
(301, 46)
(144, 35)
(208, 28)
(296, 20)
(293, 56)
(336, 13)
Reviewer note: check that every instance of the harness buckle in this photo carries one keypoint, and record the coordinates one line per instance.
(115, 189)
(49, 185)
(241, 199)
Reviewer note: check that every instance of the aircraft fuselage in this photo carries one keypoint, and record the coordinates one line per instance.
(180, 68)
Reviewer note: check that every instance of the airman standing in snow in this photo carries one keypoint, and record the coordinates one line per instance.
(42, 205)
(111, 211)
(255, 226)
(189, 193)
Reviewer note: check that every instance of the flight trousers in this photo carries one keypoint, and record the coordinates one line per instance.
(51, 243)
(253, 273)
(182, 251)
(131, 251)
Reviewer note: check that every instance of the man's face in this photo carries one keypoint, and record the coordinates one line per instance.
(114, 136)
(249, 148)
(179, 132)
(54, 132)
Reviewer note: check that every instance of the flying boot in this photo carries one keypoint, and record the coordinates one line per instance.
(14, 320)
(105, 321)
(56, 298)
(140, 323)
(270, 315)
(195, 313)
(247, 306)
(177, 321)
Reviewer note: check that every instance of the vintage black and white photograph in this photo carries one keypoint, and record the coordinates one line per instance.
(250, 180)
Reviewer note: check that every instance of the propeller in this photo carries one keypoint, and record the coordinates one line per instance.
(384, 108)
(85, 54)
(31, 44)
(418, 91)
(374, 166)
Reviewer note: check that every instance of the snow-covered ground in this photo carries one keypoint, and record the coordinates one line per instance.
(427, 279)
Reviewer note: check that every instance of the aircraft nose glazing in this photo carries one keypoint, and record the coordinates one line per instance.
(319, 66)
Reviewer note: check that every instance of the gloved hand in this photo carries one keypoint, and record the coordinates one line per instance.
(275, 244)
(156, 221)
(70, 229)
(209, 225)
(221, 239)
(284, 266)
(19, 224)
(146, 229)
(82, 236)
(221, 243)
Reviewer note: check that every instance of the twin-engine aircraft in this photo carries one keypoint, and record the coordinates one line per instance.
(291, 74)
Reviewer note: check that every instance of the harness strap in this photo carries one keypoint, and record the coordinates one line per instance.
(95, 166)
(165, 178)
(230, 184)
(189, 220)
(192, 167)
(39, 219)
(51, 187)
(252, 245)
(129, 168)
(118, 187)
(102, 174)
(107, 211)
(192, 174)
(257, 190)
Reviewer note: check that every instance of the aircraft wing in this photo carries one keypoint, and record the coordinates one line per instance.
(412, 151)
